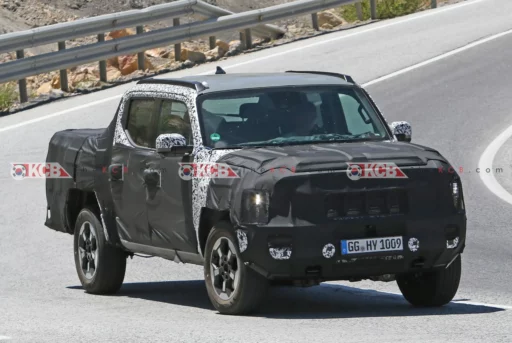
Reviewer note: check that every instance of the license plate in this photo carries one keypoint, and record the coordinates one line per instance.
(370, 245)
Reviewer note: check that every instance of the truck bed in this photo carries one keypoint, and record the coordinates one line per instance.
(76, 151)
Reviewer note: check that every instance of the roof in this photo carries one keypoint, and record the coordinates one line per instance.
(223, 82)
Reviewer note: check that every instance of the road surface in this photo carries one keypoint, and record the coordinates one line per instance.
(447, 71)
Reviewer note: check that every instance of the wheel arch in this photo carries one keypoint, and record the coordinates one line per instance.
(208, 220)
(77, 200)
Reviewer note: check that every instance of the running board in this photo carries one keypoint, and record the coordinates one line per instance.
(169, 254)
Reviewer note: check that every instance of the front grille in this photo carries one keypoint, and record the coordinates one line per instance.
(366, 203)
(325, 207)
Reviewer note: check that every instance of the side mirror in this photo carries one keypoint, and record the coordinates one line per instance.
(171, 142)
(402, 130)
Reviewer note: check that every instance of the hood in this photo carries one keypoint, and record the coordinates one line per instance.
(318, 157)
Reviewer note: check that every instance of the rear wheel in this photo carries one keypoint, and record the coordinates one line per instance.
(233, 288)
(431, 289)
(100, 266)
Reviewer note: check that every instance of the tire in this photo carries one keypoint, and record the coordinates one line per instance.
(109, 262)
(249, 289)
(431, 289)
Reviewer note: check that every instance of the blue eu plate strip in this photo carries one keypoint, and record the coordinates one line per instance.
(344, 250)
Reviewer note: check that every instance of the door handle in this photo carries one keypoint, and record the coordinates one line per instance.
(116, 172)
(151, 177)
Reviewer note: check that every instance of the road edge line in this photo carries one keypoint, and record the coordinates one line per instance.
(487, 160)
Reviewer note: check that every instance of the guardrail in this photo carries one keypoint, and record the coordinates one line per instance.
(218, 20)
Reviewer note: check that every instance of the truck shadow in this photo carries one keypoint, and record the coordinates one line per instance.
(324, 301)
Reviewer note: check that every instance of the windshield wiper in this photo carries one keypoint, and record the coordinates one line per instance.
(314, 139)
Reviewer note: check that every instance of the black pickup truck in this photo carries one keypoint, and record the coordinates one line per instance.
(290, 178)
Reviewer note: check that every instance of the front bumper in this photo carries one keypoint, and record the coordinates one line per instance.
(294, 253)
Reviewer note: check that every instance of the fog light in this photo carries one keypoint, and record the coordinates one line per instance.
(242, 240)
(452, 243)
(414, 244)
(328, 250)
(283, 253)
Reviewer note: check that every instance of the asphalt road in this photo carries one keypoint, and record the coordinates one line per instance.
(457, 104)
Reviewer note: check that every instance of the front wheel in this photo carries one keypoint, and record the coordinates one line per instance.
(431, 289)
(233, 288)
(100, 266)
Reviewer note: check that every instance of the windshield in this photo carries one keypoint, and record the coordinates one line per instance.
(279, 116)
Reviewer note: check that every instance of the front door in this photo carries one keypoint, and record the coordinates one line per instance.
(126, 172)
(169, 201)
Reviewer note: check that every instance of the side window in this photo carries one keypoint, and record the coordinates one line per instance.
(355, 123)
(140, 122)
(174, 118)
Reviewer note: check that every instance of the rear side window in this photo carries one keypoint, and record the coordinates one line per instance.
(140, 119)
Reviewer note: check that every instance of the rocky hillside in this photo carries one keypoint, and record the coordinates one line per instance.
(17, 15)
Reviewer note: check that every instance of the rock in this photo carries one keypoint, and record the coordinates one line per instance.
(188, 64)
(194, 56)
(75, 6)
(195, 46)
(120, 33)
(223, 45)
(113, 62)
(128, 64)
(137, 4)
(113, 74)
(45, 88)
(235, 46)
(168, 54)
(326, 26)
(55, 82)
(214, 54)
(56, 93)
(156, 52)
(84, 79)
(329, 18)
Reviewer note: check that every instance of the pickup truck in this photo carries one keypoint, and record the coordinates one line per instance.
(291, 178)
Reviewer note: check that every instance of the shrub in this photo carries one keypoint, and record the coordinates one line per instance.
(385, 9)
(8, 95)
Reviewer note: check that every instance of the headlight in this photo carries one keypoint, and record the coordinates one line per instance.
(255, 204)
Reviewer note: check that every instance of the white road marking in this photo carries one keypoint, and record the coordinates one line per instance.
(4, 337)
(505, 307)
(437, 58)
(334, 284)
(378, 27)
(486, 161)
(56, 114)
(374, 28)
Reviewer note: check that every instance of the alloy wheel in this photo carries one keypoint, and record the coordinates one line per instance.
(88, 249)
(224, 268)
